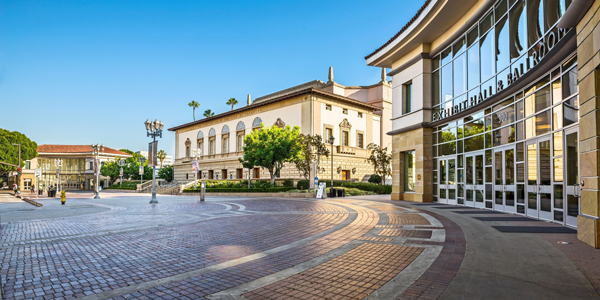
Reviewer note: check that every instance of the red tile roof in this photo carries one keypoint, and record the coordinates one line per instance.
(401, 30)
(75, 149)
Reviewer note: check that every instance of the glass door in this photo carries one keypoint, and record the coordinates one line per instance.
(474, 187)
(573, 189)
(447, 175)
(504, 179)
(539, 179)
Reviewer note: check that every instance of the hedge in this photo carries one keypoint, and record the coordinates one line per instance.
(117, 187)
(241, 190)
(376, 188)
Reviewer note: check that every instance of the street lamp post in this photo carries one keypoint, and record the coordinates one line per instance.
(58, 164)
(197, 154)
(19, 166)
(96, 150)
(153, 129)
(331, 140)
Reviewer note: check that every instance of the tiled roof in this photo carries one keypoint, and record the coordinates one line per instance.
(279, 98)
(75, 149)
(401, 30)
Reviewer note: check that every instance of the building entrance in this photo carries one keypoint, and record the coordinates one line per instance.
(572, 187)
(447, 186)
(539, 179)
(474, 180)
(504, 180)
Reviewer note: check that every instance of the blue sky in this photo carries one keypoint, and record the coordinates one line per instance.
(82, 72)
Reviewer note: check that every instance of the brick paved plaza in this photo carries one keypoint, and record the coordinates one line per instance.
(121, 247)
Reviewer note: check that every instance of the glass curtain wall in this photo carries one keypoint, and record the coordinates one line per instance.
(509, 40)
(517, 132)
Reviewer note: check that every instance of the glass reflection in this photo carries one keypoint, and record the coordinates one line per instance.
(502, 45)
(486, 47)
(447, 83)
(473, 67)
(518, 30)
(460, 74)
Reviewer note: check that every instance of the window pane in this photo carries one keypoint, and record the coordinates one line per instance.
(460, 74)
(502, 45)
(558, 169)
(518, 30)
(569, 83)
(436, 88)
(409, 171)
(473, 66)
(572, 159)
(535, 20)
(557, 117)
(446, 56)
(486, 46)
(436, 62)
(472, 36)
(459, 46)
(556, 92)
(486, 23)
(408, 98)
(542, 122)
(447, 82)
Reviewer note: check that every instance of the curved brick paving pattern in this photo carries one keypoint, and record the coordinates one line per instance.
(253, 248)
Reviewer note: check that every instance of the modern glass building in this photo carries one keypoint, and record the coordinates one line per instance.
(494, 107)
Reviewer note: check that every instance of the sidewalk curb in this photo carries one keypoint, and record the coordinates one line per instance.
(32, 202)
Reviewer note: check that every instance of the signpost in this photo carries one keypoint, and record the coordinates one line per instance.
(142, 160)
(321, 191)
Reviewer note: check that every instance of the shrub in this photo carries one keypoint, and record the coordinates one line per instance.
(376, 188)
(241, 190)
(288, 183)
(375, 179)
(303, 184)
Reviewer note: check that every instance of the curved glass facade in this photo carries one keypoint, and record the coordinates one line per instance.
(511, 38)
(519, 155)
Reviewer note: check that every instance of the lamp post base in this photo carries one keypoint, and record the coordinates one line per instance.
(96, 196)
(153, 201)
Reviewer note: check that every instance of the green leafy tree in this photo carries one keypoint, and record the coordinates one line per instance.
(311, 151)
(10, 154)
(194, 105)
(161, 156)
(271, 147)
(166, 173)
(208, 113)
(232, 102)
(380, 159)
(111, 169)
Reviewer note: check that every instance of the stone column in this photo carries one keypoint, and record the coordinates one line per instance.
(588, 60)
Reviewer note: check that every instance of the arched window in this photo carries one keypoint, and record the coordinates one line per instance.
(211, 141)
(256, 122)
(225, 139)
(240, 126)
(225, 129)
(279, 123)
(188, 148)
(212, 132)
(200, 141)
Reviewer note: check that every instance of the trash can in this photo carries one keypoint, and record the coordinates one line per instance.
(340, 192)
(332, 192)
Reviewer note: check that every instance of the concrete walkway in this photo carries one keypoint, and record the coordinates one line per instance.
(504, 265)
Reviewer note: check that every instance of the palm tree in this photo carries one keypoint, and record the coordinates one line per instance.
(208, 113)
(194, 105)
(161, 156)
(232, 102)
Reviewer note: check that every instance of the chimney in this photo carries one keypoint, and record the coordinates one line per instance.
(249, 99)
(330, 74)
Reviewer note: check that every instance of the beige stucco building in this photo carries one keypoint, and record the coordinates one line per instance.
(352, 114)
(495, 106)
(76, 171)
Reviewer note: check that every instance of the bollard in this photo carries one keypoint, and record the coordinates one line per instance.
(202, 191)
(63, 197)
